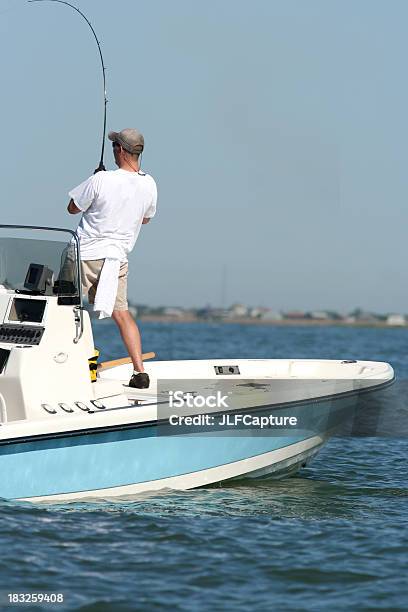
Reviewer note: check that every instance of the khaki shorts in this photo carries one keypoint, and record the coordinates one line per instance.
(91, 270)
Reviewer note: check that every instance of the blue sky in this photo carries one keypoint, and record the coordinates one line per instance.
(276, 131)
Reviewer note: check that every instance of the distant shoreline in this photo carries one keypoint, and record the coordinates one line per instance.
(278, 322)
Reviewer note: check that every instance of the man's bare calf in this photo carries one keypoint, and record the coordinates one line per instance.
(130, 336)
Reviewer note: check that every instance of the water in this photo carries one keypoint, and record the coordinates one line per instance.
(334, 537)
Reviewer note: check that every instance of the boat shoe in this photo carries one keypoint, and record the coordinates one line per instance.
(140, 381)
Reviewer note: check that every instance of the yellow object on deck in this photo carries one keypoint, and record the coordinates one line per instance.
(93, 365)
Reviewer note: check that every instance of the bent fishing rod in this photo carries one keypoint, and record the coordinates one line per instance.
(101, 165)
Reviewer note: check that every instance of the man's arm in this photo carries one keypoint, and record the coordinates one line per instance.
(145, 220)
(73, 209)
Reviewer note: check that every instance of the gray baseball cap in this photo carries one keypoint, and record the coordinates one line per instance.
(129, 138)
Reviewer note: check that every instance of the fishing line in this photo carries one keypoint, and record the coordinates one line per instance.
(105, 100)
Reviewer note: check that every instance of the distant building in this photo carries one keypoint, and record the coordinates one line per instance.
(364, 317)
(177, 313)
(238, 310)
(295, 314)
(319, 315)
(397, 320)
(271, 315)
(210, 314)
(255, 313)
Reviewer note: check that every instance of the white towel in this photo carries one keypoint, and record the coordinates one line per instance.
(107, 288)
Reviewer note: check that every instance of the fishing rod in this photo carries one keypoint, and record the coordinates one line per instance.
(105, 100)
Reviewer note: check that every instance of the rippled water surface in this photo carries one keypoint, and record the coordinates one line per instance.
(334, 537)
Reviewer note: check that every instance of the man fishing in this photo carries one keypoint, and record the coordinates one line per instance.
(114, 205)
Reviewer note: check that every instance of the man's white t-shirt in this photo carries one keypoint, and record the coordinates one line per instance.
(114, 204)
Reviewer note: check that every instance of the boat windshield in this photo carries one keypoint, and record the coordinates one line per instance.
(31, 264)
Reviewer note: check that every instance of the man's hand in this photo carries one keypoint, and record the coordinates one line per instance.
(72, 208)
(145, 220)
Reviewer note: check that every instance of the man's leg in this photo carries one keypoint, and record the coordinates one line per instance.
(130, 336)
(129, 331)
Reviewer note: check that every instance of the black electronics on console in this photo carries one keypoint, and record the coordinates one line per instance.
(21, 334)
